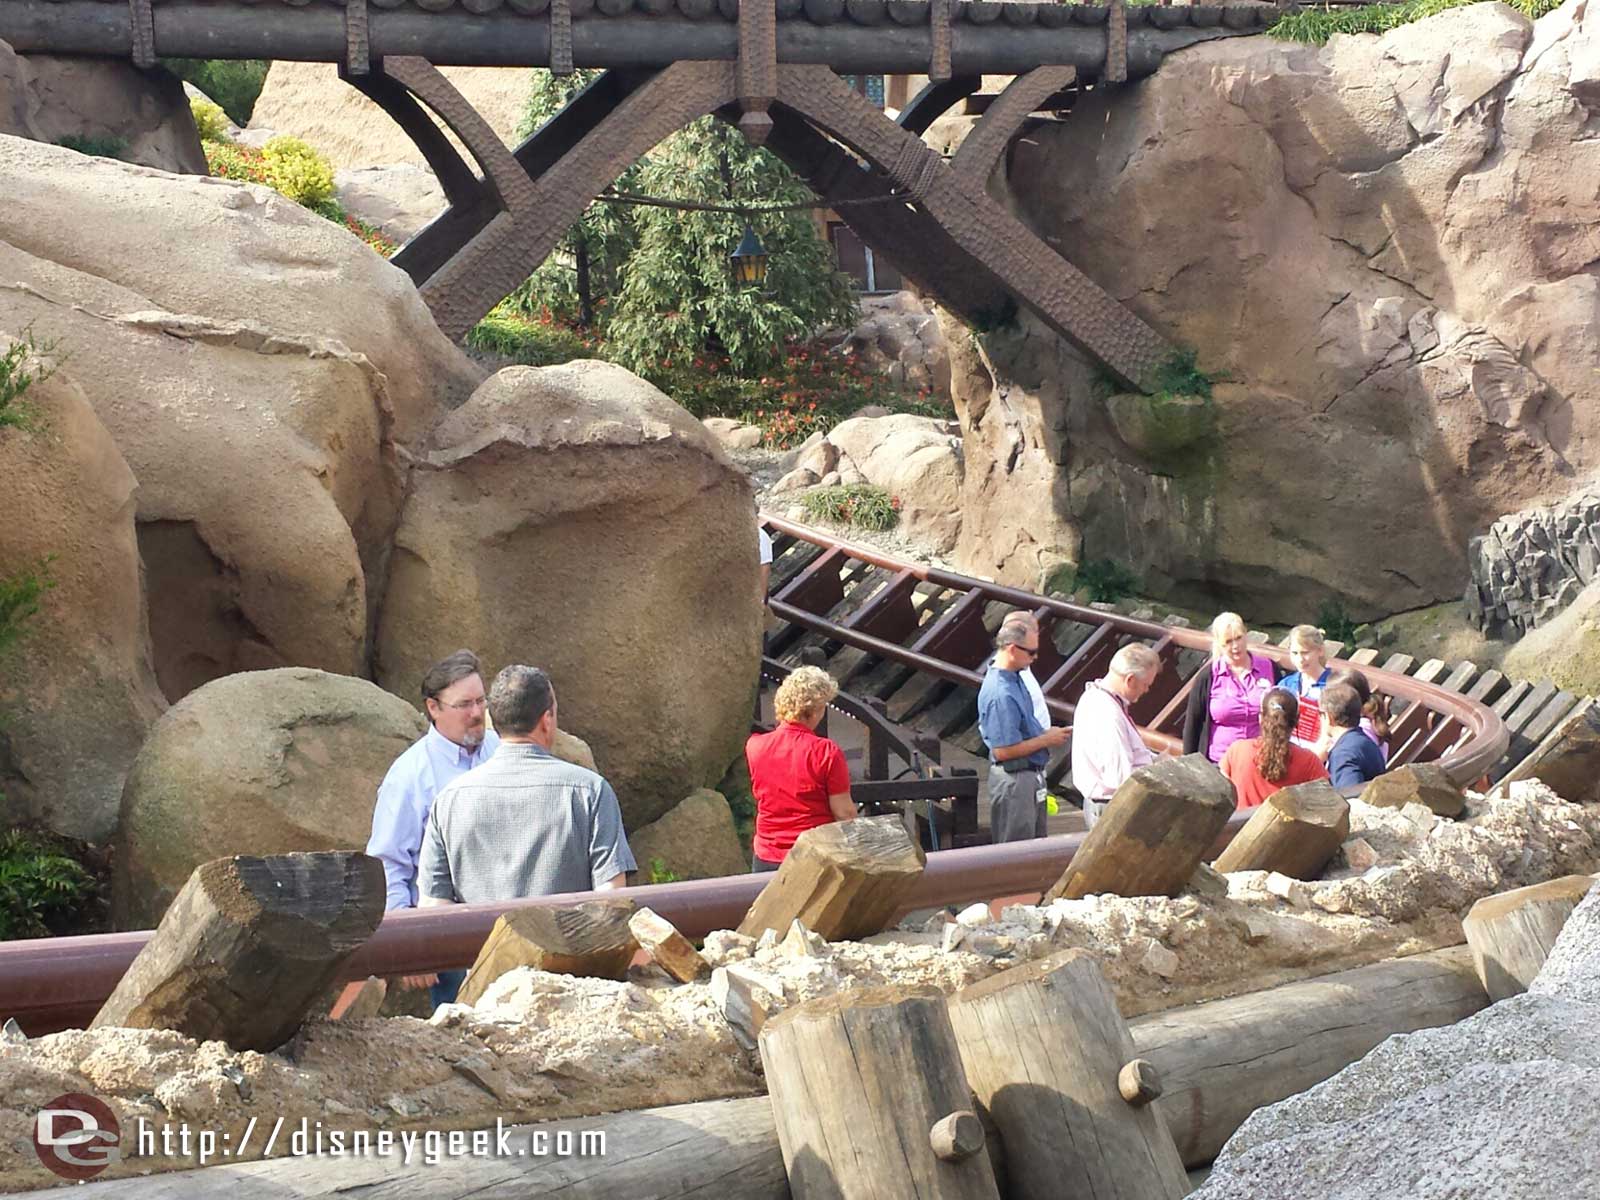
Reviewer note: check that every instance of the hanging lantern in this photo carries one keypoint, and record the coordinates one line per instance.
(749, 260)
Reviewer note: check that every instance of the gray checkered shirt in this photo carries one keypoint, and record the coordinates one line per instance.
(525, 823)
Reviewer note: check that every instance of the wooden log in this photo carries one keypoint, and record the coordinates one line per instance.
(248, 946)
(713, 1150)
(1416, 783)
(1153, 833)
(1222, 1060)
(1511, 933)
(1295, 831)
(1044, 1048)
(592, 939)
(1567, 761)
(1219, 1061)
(860, 1084)
(672, 952)
(843, 881)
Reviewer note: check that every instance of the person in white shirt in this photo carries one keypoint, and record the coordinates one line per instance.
(1106, 746)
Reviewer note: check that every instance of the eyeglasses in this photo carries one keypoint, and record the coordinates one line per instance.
(465, 705)
(1030, 651)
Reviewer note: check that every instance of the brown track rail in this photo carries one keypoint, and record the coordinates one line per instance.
(58, 983)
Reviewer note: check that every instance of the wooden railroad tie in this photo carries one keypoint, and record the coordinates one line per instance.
(593, 939)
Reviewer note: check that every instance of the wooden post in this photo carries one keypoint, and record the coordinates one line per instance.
(843, 881)
(1047, 1051)
(671, 951)
(1153, 833)
(1295, 831)
(1416, 783)
(248, 946)
(581, 939)
(863, 1084)
(1511, 934)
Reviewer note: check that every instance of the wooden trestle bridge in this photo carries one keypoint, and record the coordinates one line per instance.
(768, 66)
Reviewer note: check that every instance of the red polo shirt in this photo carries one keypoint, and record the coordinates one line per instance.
(793, 771)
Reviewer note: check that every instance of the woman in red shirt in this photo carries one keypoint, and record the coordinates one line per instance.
(1262, 765)
(800, 780)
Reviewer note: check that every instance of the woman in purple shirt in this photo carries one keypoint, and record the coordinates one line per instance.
(1225, 704)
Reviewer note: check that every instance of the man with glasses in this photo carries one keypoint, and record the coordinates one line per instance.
(1019, 744)
(457, 740)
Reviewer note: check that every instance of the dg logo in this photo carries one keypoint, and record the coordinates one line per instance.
(77, 1136)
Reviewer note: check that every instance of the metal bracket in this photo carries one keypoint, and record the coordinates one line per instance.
(142, 22)
(939, 32)
(357, 43)
(561, 37)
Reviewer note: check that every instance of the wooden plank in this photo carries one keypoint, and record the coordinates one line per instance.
(1088, 662)
(1511, 933)
(958, 632)
(889, 614)
(844, 880)
(1294, 832)
(1530, 722)
(590, 939)
(1460, 678)
(1511, 698)
(1399, 664)
(1528, 707)
(1364, 657)
(1488, 687)
(820, 585)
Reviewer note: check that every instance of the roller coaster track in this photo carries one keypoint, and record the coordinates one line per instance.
(909, 643)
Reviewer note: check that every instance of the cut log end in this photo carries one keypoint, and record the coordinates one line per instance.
(957, 1137)
(590, 939)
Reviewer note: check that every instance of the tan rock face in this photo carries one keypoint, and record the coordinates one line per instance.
(1566, 649)
(576, 519)
(249, 256)
(696, 840)
(79, 692)
(309, 100)
(918, 462)
(1380, 244)
(267, 762)
(899, 336)
(48, 98)
(264, 447)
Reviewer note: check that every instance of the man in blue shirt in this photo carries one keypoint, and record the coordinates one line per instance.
(457, 740)
(1353, 757)
(1019, 746)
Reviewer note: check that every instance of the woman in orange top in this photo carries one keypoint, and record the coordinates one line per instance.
(1262, 765)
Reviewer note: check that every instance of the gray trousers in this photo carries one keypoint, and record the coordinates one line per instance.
(1015, 812)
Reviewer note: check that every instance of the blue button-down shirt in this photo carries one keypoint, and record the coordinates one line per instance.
(1006, 717)
(404, 800)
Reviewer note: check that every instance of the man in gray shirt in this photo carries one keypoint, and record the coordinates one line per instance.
(525, 823)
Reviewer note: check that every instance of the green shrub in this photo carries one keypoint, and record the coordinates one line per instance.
(20, 594)
(862, 505)
(533, 342)
(100, 147)
(209, 120)
(297, 169)
(22, 366)
(1317, 25)
(1181, 375)
(661, 873)
(1336, 624)
(235, 84)
(1105, 581)
(40, 887)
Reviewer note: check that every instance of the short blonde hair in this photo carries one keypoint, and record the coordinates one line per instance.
(803, 692)
(1306, 636)
(1224, 627)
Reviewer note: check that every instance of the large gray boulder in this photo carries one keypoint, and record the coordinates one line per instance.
(1505, 1103)
(576, 519)
(266, 762)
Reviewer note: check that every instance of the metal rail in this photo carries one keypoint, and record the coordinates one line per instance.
(1484, 741)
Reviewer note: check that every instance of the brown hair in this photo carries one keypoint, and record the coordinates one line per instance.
(1374, 706)
(447, 671)
(1341, 704)
(1279, 712)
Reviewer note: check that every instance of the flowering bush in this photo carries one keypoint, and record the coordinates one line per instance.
(209, 119)
(298, 170)
(864, 505)
(243, 164)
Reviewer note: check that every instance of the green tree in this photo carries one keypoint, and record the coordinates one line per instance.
(678, 295)
(586, 268)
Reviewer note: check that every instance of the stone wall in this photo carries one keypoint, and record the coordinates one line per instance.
(1531, 564)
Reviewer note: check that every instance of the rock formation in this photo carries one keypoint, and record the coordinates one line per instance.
(257, 405)
(309, 100)
(1565, 650)
(574, 518)
(78, 692)
(1501, 1103)
(697, 839)
(266, 762)
(1530, 565)
(1379, 244)
(143, 115)
(899, 336)
(399, 199)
